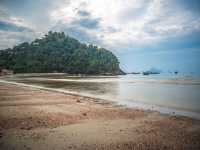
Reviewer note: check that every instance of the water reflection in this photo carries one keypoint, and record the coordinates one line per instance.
(176, 92)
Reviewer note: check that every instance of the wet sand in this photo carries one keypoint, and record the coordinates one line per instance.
(38, 119)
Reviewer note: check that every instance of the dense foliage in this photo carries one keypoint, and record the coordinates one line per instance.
(57, 52)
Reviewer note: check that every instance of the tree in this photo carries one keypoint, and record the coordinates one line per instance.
(61, 53)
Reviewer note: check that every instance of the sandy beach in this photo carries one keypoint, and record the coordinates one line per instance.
(34, 119)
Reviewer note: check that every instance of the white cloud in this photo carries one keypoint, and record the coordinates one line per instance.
(10, 38)
(119, 23)
(15, 30)
(135, 21)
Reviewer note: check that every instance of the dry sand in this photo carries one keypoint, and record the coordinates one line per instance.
(39, 120)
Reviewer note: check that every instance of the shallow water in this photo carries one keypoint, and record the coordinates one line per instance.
(166, 93)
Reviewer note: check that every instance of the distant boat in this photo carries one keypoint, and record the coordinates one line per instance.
(175, 72)
(150, 72)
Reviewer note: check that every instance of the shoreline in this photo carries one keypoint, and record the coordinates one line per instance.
(32, 118)
(134, 105)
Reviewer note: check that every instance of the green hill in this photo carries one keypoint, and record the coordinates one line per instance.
(56, 52)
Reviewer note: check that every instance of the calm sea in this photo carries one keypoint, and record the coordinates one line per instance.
(167, 93)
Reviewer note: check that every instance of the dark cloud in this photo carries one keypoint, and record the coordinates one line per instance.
(80, 34)
(12, 33)
(83, 13)
(77, 32)
(5, 26)
(89, 23)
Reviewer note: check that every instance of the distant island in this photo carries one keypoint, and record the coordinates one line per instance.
(57, 52)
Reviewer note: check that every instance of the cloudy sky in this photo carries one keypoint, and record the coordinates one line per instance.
(143, 33)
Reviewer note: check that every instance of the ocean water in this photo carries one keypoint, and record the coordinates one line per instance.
(167, 93)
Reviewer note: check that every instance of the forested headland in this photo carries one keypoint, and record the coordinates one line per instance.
(57, 52)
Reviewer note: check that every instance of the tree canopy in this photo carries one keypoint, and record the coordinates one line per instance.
(56, 52)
